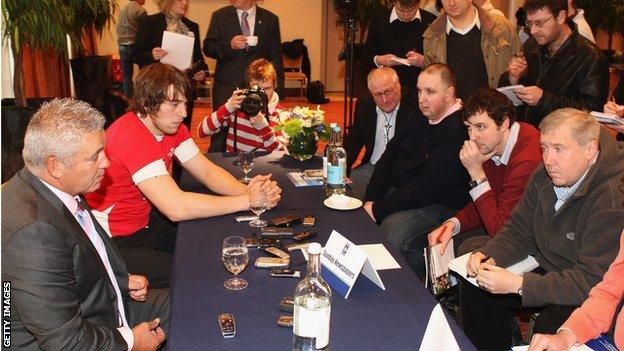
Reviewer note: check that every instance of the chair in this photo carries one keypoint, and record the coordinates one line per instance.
(293, 72)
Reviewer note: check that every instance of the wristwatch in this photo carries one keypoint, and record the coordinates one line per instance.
(520, 291)
(475, 182)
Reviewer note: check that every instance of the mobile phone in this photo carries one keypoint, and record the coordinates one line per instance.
(285, 221)
(276, 252)
(271, 262)
(300, 236)
(244, 218)
(287, 304)
(227, 325)
(297, 246)
(285, 273)
(308, 220)
(285, 321)
(255, 242)
(275, 232)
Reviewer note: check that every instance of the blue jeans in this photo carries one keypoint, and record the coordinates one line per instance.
(408, 230)
(126, 51)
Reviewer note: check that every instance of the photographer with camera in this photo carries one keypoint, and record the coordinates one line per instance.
(249, 114)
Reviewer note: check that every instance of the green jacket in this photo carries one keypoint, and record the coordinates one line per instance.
(499, 41)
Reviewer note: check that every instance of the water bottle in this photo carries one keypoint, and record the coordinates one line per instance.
(312, 308)
(336, 167)
(328, 147)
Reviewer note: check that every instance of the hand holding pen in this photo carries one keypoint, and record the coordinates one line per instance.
(476, 262)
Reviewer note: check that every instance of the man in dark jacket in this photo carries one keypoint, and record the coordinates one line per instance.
(560, 68)
(569, 218)
(419, 181)
(378, 118)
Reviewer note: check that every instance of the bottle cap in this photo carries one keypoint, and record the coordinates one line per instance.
(314, 248)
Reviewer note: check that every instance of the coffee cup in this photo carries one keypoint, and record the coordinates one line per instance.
(252, 40)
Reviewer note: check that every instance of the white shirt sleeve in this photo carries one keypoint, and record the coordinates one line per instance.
(186, 150)
(479, 190)
(126, 333)
(457, 225)
(154, 169)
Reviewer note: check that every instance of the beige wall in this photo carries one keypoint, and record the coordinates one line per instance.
(298, 19)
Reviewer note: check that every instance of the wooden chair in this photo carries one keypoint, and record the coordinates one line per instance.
(293, 72)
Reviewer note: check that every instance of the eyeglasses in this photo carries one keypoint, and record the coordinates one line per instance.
(538, 23)
(386, 93)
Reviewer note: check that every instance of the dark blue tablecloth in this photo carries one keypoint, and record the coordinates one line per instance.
(371, 319)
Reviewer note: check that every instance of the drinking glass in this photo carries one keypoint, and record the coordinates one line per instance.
(257, 204)
(235, 258)
(246, 162)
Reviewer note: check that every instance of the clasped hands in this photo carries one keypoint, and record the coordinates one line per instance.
(269, 187)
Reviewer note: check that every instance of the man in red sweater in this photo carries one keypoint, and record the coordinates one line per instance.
(500, 156)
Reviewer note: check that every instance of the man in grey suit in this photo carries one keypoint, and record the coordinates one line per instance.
(68, 286)
(228, 41)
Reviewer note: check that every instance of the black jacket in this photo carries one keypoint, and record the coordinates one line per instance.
(422, 163)
(577, 76)
(362, 132)
(150, 34)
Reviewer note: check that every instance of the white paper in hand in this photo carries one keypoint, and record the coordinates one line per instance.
(508, 91)
(400, 60)
(179, 49)
(607, 118)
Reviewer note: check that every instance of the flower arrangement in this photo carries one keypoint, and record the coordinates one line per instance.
(303, 120)
(302, 127)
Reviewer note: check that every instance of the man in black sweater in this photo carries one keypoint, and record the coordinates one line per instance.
(397, 33)
(419, 180)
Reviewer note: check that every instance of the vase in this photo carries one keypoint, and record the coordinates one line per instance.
(302, 146)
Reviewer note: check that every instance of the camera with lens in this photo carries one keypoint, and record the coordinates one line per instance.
(255, 101)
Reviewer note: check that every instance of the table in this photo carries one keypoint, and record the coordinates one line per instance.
(370, 319)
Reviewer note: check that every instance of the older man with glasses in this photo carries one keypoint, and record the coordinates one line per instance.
(377, 118)
(558, 68)
(395, 35)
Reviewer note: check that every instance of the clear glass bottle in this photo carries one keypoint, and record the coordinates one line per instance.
(336, 167)
(328, 147)
(312, 308)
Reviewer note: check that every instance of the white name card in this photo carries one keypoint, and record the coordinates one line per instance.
(343, 261)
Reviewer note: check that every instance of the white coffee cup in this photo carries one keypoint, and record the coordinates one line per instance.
(252, 40)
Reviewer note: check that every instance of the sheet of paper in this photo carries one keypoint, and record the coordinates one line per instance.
(508, 91)
(400, 60)
(179, 49)
(607, 118)
(438, 335)
(458, 266)
(380, 257)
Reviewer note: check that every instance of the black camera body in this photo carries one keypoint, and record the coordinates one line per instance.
(255, 101)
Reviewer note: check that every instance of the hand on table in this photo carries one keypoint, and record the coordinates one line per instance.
(498, 280)
(443, 235)
(148, 336)
(368, 207)
(158, 53)
(238, 42)
(563, 340)
(272, 190)
(529, 95)
(138, 286)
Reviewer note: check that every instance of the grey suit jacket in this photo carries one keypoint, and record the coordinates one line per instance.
(61, 295)
(231, 64)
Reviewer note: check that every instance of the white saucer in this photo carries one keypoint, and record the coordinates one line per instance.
(351, 205)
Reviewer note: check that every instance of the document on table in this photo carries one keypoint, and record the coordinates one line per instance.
(508, 91)
(458, 265)
(400, 60)
(179, 49)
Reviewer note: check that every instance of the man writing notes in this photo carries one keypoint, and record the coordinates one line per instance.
(378, 118)
(419, 181)
(569, 219)
(139, 203)
(500, 157)
(70, 289)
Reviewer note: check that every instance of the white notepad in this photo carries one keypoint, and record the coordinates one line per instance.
(458, 266)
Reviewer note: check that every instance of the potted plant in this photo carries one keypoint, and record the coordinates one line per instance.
(606, 15)
(302, 127)
(44, 24)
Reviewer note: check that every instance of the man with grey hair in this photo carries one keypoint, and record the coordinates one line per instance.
(569, 219)
(377, 119)
(69, 285)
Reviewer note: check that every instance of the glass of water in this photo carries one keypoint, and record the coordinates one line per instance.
(246, 162)
(235, 258)
(257, 205)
